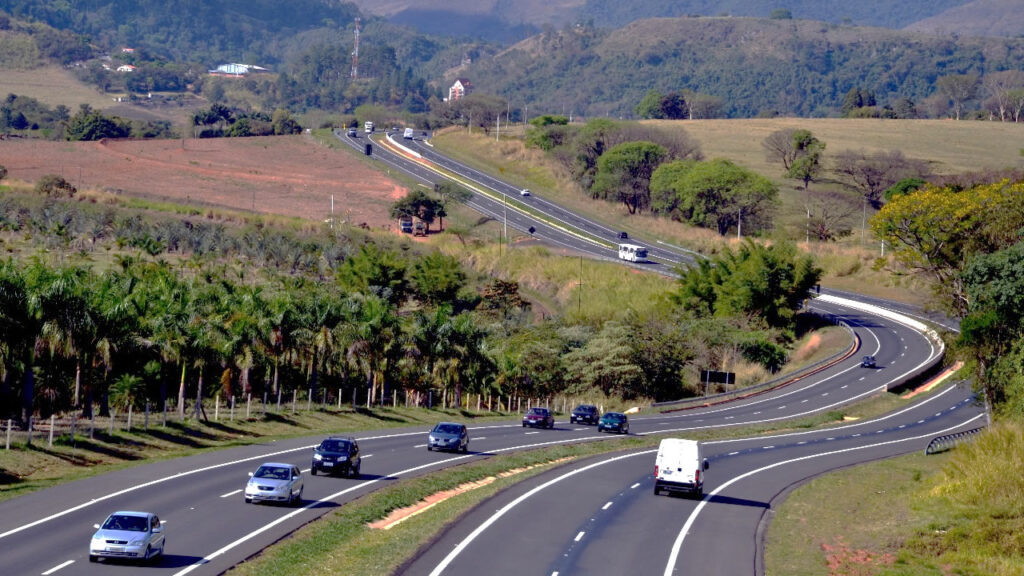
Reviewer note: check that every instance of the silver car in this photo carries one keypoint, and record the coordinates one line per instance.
(274, 482)
(449, 436)
(126, 534)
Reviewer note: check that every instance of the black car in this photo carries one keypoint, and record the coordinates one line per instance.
(539, 417)
(613, 422)
(868, 362)
(337, 456)
(585, 413)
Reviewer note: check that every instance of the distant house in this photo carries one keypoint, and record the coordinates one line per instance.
(237, 70)
(460, 89)
(126, 68)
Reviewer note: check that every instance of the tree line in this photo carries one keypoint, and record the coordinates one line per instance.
(234, 313)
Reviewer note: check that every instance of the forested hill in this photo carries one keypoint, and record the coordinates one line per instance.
(884, 13)
(791, 67)
(190, 30)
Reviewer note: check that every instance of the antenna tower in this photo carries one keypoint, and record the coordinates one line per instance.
(355, 54)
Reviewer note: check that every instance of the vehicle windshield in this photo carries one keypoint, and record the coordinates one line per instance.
(614, 417)
(129, 523)
(334, 446)
(272, 472)
(539, 411)
(448, 429)
(585, 408)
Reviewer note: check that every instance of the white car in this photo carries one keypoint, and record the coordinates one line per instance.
(126, 534)
(274, 482)
(524, 192)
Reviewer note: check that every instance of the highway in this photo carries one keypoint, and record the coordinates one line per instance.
(596, 515)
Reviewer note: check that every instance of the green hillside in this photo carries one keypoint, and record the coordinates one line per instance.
(755, 66)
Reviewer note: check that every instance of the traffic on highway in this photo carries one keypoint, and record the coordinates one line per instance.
(600, 515)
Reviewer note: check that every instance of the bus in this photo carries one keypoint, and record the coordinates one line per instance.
(632, 253)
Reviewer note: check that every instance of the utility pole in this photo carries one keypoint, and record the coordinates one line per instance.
(505, 233)
(579, 293)
(739, 225)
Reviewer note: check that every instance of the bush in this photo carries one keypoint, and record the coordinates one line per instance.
(54, 186)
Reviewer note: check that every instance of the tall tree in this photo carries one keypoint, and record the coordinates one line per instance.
(624, 174)
(959, 88)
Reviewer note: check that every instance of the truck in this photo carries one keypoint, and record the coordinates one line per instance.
(419, 229)
(405, 224)
(679, 467)
(408, 134)
(368, 127)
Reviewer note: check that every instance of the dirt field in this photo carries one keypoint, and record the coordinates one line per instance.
(289, 175)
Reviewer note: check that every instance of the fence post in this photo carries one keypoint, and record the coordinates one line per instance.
(216, 407)
(368, 398)
(394, 398)
(478, 396)
(8, 447)
(49, 440)
(113, 416)
(73, 414)
(146, 425)
(354, 390)
(339, 398)
(29, 441)
(279, 399)
(231, 415)
(129, 418)
(295, 398)
(92, 423)
(309, 399)
(248, 405)
(323, 398)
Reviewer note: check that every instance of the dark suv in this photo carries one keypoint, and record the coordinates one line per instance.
(337, 456)
(539, 417)
(585, 413)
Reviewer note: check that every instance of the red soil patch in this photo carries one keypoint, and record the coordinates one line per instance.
(845, 561)
(288, 175)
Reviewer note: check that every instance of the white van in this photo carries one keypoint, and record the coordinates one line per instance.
(632, 253)
(679, 467)
(408, 134)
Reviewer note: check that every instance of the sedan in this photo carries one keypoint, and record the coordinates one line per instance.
(125, 534)
(274, 482)
(585, 413)
(539, 418)
(524, 192)
(868, 362)
(449, 436)
(337, 455)
(613, 421)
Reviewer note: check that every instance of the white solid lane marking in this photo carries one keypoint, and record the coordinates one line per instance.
(635, 485)
(833, 438)
(578, 537)
(230, 494)
(606, 506)
(481, 438)
(861, 378)
(681, 537)
(844, 386)
(371, 455)
(528, 433)
(824, 393)
(756, 413)
(803, 401)
(420, 446)
(802, 442)
(769, 447)
(733, 453)
(58, 567)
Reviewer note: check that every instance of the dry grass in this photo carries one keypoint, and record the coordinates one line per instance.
(52, 85)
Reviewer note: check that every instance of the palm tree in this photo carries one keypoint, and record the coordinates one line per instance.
(375, 340)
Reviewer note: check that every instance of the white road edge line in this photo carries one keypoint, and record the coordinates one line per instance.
(230, 494)
(206, 560)
(674, 555)
(58, 567)
(579, 537)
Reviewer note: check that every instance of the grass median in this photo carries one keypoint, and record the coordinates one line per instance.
(343, 543)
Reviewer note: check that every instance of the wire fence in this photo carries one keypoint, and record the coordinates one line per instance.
(71, 426)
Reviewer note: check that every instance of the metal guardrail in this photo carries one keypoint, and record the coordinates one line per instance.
(950, 441)
(697, 401)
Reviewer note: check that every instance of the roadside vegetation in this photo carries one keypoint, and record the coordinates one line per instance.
(956, 512)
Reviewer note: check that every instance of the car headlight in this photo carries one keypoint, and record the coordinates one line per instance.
(97, 537)
(432, 439)
(317, 457)
(138, 542)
